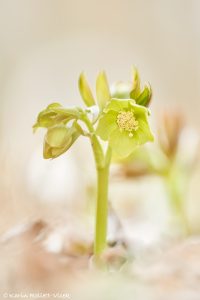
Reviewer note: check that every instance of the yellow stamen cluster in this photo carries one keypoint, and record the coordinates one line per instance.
(126, 121)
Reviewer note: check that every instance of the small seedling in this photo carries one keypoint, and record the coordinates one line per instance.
(117, 123)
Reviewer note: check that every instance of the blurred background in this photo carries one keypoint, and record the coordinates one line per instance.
(44, 45)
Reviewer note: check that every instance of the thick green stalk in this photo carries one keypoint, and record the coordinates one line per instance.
(102, 161)
(101, 210)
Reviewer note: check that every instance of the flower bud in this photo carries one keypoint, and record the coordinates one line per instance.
(102, 90)
(58, 140)
(85, 91)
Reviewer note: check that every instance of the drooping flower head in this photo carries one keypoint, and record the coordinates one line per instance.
(59, 136)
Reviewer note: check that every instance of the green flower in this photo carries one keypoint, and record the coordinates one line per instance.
(60, 134)
(124, 124)
(55, 114)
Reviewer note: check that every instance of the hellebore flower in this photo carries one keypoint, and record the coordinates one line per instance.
(124, 124)
(60, 136)
(55, 114)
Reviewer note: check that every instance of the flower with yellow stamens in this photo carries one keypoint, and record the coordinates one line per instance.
(124, 124)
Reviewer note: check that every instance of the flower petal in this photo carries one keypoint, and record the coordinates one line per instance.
(57, 136)
(107, 123)
(57, 143)
(139, 110)
(144, 134)
(121, 143)
(118, 105)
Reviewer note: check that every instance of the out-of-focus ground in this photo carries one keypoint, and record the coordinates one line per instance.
(46, 207)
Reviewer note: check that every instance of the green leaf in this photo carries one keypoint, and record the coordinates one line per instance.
(135, 84)
(145, 97)
(102, 90)
(85, 91)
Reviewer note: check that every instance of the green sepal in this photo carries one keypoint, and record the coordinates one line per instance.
(85, 91)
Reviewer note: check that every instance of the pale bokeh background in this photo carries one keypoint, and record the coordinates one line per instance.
(44, 47)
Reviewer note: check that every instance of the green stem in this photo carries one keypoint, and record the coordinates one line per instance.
(101, 210)
(102, 168)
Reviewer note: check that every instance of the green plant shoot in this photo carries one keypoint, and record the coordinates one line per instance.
(119, 118)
